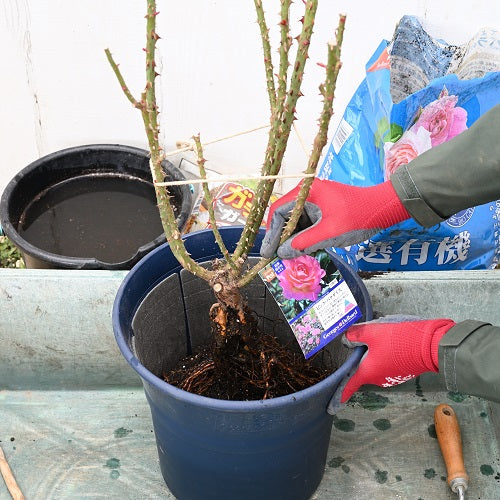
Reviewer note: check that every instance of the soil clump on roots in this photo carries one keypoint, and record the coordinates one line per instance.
(243, 363)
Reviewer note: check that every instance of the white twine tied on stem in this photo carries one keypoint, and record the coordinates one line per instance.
(190, 147)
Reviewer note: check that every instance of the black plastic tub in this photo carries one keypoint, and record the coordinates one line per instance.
(88, 207)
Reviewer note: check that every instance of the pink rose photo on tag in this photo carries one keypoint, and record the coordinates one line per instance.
(301, 278)
(313, 297)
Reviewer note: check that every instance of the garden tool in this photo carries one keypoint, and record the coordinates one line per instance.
(450, 442)
(9, 479)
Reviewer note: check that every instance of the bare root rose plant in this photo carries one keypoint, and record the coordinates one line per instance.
(227, 276)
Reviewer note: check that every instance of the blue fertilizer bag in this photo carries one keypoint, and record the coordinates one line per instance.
(418, 92)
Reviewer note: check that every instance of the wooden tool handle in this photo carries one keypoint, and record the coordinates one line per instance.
(9, 478)
(450, 441)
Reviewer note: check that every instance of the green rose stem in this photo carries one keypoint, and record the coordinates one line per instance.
(327, 89)
(210, 204)
(149, 110)
(286, 43)
(266, 47)
(282, 121)
(227, 277)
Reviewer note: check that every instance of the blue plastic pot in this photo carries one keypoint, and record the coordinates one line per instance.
(211, 448)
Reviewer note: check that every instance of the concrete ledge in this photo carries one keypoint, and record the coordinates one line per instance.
(458, 295)
(56, 333)
(55, 325)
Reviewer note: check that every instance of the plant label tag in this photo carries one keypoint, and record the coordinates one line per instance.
(313, 297)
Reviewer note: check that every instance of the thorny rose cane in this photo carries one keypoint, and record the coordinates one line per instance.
(229, 275)
(283, 98)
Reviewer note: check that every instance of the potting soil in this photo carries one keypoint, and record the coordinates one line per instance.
(255, 368)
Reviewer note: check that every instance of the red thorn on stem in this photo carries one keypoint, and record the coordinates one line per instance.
(152, 15)
(323, 65)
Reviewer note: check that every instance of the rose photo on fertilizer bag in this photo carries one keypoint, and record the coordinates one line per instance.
(418, 92)
(313, 297)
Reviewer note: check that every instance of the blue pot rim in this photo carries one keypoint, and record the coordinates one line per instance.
(329, 383)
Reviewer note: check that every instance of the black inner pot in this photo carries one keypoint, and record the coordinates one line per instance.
(89, 207)
(172, 322)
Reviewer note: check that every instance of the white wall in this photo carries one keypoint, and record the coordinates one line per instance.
(57, 89)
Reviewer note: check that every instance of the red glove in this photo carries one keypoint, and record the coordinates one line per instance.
(397, 352)
(339, 215)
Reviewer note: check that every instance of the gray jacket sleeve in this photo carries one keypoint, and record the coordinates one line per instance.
(469, 359)
(461, 173)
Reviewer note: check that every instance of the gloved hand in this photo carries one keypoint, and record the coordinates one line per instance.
(399, 348)
(339, 215)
